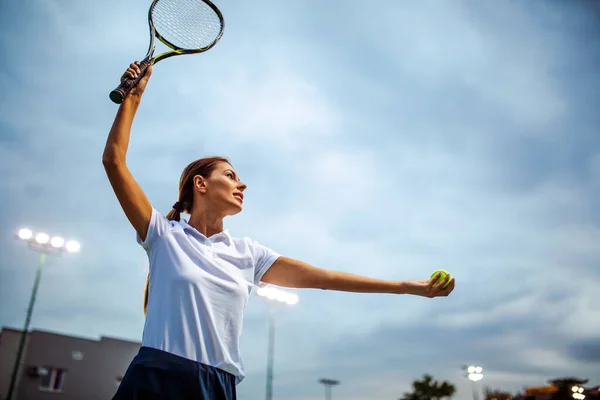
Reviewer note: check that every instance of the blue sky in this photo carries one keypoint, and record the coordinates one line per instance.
(388, 140)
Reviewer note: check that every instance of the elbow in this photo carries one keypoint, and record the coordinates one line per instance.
(111, 159)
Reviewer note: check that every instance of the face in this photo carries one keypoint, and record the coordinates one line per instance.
(223, 190)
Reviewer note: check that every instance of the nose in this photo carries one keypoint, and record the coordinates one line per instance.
(241, 186)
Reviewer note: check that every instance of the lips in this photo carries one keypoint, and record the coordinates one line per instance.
(239, 196)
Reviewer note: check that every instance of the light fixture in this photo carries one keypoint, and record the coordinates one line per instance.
(43, 242)
(42, 238)
(25, 234)
(279, 295)
(73, 246)
(475, 373)
(57, 242)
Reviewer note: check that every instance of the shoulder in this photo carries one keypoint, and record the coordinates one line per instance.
(242, 241)
(256, 249)
(158, 226)
(164, 225)
(161, 218)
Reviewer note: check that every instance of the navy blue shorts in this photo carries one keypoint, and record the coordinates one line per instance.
(157, 375)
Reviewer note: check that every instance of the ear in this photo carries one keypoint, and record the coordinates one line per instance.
(199, 183)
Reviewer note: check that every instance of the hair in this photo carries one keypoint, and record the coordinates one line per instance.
(203, 167)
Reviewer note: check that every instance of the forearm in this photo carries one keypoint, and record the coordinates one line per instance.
(118, 137)
(346, 282)
(288, 272)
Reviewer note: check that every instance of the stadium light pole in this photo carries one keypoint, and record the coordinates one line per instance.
(328, 384)
(44, 244)
(274, 296)
(474, 374)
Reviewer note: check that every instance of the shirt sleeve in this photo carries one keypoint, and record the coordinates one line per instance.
(157, 227)
(264, 258)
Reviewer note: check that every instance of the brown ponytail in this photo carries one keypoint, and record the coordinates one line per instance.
(203, 167)
(175, 213)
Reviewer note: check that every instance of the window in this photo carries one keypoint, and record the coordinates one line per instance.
(54, 380)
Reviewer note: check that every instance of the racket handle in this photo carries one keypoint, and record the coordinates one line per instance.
(119, 94)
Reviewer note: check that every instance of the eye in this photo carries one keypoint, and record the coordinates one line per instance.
(230, 175)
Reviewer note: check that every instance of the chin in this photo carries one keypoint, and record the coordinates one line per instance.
(238, 209)
(235, 210)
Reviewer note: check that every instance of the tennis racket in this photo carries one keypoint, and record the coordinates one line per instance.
(185, 26)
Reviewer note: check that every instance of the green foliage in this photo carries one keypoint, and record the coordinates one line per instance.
(430, 389)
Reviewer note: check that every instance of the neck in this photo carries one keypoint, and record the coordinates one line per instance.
(206, 223)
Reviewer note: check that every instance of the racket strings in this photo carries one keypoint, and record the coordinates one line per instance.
(188, 24)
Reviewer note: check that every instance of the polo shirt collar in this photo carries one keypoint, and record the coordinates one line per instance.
(187, 228)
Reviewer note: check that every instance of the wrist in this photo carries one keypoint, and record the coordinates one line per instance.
(409, 287)
(132, 99)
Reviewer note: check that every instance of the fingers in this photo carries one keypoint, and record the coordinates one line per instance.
(445, 281)
(441, 289)
(133, 71)
(433, 280)
(447, 290)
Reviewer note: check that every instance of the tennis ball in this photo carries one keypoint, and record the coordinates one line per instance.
(442, 277)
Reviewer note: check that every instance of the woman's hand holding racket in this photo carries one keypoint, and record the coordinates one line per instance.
(133, 72)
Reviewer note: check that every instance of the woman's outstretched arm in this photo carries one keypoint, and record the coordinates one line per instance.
(288, 272)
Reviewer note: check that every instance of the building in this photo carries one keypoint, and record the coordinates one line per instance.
(497, 395)
(77, 368)
(562, 389)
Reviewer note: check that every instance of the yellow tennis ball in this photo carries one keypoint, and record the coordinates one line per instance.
(442, 277)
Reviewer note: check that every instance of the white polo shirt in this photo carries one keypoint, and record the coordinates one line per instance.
(198, 290)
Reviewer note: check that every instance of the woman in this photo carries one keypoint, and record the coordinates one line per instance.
(200, 276)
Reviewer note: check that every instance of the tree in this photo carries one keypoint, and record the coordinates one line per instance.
(429, 389)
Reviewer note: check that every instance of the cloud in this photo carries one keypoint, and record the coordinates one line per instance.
(276, 105)
(586, 350)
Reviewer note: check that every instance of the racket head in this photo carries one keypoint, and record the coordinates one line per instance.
(186, 26)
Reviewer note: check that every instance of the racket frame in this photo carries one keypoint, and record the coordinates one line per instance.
(177, 51)
(119, 94)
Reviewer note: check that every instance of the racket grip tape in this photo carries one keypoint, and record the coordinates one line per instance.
(119, 94)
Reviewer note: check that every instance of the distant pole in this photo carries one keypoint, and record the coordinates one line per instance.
(475, 396)
(475, 374)
(36, 284)
(273, 295)
(328, 384)
(271, 350)
(43, 244)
